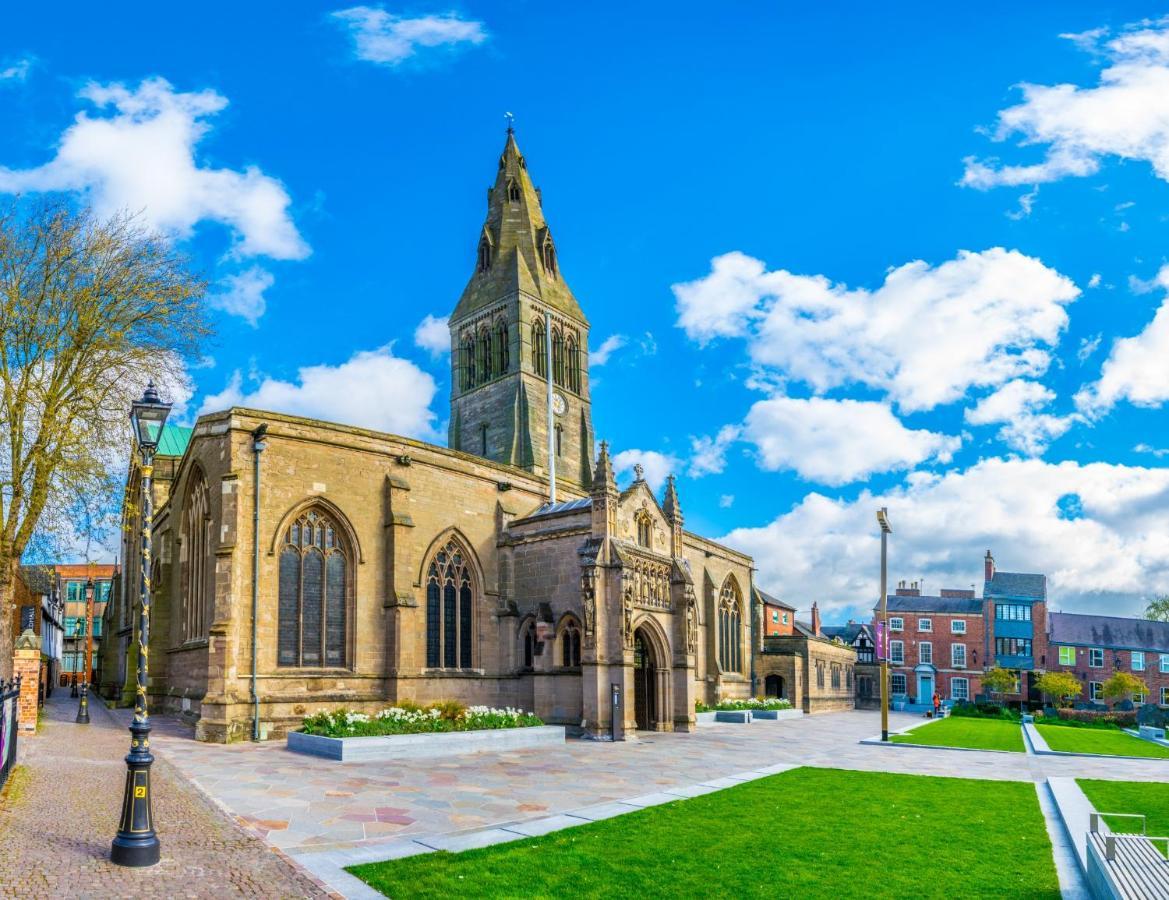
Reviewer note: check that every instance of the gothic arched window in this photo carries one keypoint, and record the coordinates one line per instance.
(557, 356)
(513, 192)
(196, 538)
(730, 627)
(450, 635)
(469, 373)
(315, 578)
(502, 350)
(573, 365)
(539, 349)
(485, 355)
(549, 256)
(570, 645)
(644, 529)
(484, 254)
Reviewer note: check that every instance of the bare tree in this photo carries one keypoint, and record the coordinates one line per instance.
(89, 310)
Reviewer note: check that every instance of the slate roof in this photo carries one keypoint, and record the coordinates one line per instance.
(551, 509)
(846, 633)
(772, 600)
(1113, 632)
(947, 606)
(1016, 584)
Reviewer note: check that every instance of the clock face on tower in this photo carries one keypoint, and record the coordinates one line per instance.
(559, 404)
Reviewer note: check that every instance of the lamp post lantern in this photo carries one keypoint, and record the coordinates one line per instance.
(883, 623)
(83, 704)
(136, 843)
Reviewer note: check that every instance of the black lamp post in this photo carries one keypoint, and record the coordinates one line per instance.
(137, 844)
(87, 631)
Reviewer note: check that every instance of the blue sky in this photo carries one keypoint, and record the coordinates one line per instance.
(846, 258)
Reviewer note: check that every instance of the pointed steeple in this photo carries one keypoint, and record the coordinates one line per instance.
(516, 250)
(604, 482)
(670, 505)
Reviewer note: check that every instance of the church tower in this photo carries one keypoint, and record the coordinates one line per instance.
(500, 340)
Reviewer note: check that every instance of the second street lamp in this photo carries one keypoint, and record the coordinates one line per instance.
(883, 622)
(87, 631)
(137, 843)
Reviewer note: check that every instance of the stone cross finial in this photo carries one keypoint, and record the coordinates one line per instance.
(638, 471)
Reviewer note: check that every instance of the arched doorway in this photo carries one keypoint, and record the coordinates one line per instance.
(773, 685)
(644, 682)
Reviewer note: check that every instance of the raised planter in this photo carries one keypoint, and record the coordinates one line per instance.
(738, 716)
(776, 715)
(1149, 733)
(425, 746)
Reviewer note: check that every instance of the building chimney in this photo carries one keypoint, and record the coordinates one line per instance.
(815, 619)
(988, 566)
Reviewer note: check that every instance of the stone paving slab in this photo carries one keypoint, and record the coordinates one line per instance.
(601, 811)
(539, 827)
(650, 800)
(60, 812)
(453, 843)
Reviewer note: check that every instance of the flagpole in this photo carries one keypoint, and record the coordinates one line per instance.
(551, 426)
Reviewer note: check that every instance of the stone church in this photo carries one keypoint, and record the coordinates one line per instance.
(383, 568)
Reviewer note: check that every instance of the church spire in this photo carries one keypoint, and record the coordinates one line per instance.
(516, 250)
(604, 482)
(670, 505)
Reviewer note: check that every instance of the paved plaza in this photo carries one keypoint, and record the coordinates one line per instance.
(325, 814)
(61, 812)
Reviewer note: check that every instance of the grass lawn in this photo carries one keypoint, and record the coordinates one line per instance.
(1094, 740)
(1148, 798)
(975, 734)
(803, 833)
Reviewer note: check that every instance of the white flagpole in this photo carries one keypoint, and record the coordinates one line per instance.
(551, 426)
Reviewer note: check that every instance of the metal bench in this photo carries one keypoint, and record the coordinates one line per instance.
(1126, 865)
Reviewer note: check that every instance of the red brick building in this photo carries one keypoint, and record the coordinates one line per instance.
(779, 618)
(935, 643)
(1095, 648)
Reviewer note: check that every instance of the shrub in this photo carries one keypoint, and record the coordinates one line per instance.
(750, 703)
(410, 718)
(1090, 718)
(983, 711)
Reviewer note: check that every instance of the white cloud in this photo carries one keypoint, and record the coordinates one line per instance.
(433, 335)
(709, 454)
(373, 389)
(388, 39)
(243, 294)
(1094, 281)
(838, 441)
(657, 465)
(609, 346)
(16, 71)
(1114, 553)
(924, 337)
(1158, 452)
(1126, 115)
(1026, 204)
(1088, 346)
(1137, 368)
(726, 501)
(1017, 406)
(141, 158)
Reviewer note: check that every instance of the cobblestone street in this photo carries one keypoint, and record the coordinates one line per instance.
(61, 809)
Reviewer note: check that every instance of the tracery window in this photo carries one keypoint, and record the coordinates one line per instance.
(549, 254)
(502, 350)
(644, 529)
(315, 576)
(539, 350)
(573, 354)
(557, 356)
(484, 255)
(449, 609)
(570, 645)
(468, 362)
(484, 355)
(730, 625)
(196, 548)
(513, 192)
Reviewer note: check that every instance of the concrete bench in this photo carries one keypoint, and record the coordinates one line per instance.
(1125, 866)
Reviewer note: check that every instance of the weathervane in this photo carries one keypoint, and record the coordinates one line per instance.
(510, 122)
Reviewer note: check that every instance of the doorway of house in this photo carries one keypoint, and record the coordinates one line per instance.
(644, 693)
(773, 686)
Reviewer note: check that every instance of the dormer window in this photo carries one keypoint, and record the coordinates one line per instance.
(484, 255)
(513, 191)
